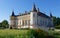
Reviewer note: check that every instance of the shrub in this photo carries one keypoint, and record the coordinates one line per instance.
(37, 33)
(57, 27)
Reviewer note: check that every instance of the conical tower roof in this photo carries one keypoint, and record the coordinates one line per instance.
(13, 13)
(34, 8)
(50, 14)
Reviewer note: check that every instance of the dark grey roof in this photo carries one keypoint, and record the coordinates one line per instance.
(22, 14)
(13, 13)
(34, 8)
(43, 15)
(38, 13)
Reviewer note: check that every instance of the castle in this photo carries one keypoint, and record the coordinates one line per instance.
(32, 19)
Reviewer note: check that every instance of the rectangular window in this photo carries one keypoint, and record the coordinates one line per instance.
(16, 21)
(23, 22)
(20, 22)
(28, 22)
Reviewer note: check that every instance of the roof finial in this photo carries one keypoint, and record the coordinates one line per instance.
(34, 8)
(50, 14)
(13, 13)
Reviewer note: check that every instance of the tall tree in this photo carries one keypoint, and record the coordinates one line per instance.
(5, 24)
(0, 24)
(58, 21)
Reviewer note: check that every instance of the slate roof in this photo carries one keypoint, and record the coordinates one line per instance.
(43, 15)
(21, 14)
(39, 14)
(33, 10)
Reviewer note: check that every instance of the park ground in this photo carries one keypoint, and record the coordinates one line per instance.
(16, 33)
(12, 33)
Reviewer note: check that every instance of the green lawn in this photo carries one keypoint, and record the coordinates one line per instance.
(14, 33)
(55, 34)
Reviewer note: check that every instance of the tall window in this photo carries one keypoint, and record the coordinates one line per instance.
(28, 22)
(16, 22)
(20, 22)
(25, 22)
(33, 15)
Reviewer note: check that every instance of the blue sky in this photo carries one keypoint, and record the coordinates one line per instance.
(19, 6)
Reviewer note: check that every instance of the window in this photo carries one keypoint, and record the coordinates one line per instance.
(20, 22)
(33, 15)
(16, 21)
(25, 22)
(28, 22)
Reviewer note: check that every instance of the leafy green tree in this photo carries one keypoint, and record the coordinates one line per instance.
(56, 22)
(5, 24)
(0, 24)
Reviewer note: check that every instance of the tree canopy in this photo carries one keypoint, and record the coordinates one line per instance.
(4, 24)
(56, 22)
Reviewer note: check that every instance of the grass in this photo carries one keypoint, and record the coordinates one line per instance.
(14, 33)
(22, 33)
(55, 34)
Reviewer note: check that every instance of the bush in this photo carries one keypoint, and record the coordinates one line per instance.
(37, 33)
(57, 27)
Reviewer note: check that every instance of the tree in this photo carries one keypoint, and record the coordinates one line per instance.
(56, 22)
(0, 24)
(5, 24)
